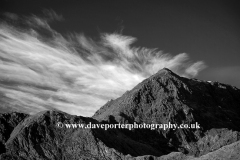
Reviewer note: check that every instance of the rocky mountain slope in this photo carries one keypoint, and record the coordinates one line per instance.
(8, 122)
(164, 97)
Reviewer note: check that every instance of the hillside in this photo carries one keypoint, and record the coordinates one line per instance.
(161, 99)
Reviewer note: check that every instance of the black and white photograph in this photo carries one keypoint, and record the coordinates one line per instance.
(119, 80)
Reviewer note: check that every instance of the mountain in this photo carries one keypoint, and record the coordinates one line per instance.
(7, 123)
(166, 97)
(161, 99)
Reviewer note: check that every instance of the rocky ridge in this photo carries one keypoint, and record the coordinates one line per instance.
(162, 98)
(166, 97)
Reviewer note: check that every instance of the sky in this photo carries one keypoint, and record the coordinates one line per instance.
(76, 55)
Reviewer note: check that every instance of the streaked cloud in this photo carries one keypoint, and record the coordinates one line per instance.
(51, 15)
(194, 69)
(75, 74)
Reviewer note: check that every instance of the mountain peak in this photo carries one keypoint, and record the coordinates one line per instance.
(168, 98)
(163, 99)
(165, 71)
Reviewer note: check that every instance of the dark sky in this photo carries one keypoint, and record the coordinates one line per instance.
(206, 30)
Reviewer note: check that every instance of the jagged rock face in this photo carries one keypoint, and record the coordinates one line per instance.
(165, 92)
(8, 121)
(38, 137)
(162, 98)
(166, 97)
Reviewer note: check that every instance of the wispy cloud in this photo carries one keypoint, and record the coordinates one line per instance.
(75, 74)
(194, 69)
(51, 15)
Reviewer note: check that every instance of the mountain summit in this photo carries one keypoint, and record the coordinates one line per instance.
(163, 98)
(166, 97)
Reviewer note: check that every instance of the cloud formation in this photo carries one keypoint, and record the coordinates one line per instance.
(74, 74)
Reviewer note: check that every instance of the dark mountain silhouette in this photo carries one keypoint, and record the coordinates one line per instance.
(162, 98)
